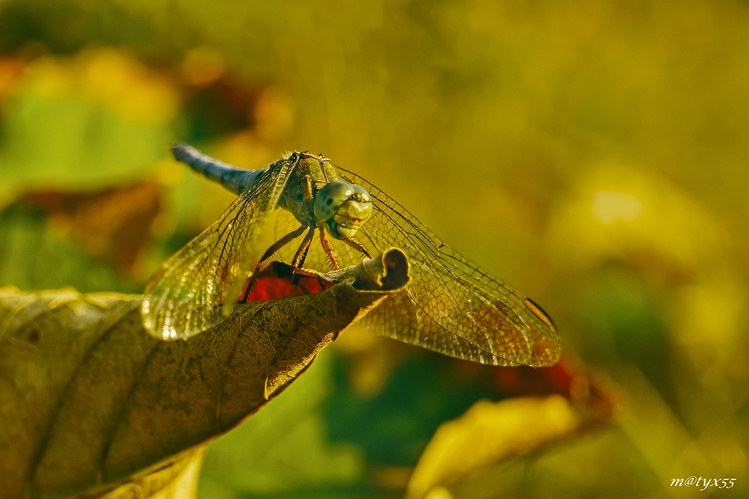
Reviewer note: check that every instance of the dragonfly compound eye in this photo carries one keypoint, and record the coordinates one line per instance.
(343, 207)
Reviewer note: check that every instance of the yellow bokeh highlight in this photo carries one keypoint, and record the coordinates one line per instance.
(438, 493)
(610, 206)
(617, 212)
(202, 66)
(245, 150)
(710, 318)
(106, 77)
(117, 80)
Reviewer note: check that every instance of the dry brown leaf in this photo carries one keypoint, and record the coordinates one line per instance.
(89, 400)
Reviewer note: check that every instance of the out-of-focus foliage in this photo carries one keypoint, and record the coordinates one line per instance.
(593, 154)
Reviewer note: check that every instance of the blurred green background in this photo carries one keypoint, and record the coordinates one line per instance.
(595, 155)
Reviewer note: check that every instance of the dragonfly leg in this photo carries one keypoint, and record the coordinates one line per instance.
(358, 247)
(282, 242)
(308, 273)
(301, 254)
(328, 249)
(268, 253)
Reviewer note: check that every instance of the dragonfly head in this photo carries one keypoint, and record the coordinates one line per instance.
(343, 207)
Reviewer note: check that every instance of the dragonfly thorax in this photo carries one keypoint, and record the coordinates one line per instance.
(342, 207)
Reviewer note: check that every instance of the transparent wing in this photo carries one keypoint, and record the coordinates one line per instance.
(452, 306)
(198, 286)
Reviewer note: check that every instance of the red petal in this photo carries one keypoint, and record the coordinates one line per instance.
(276, 281)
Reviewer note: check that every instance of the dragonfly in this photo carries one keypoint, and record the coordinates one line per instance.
(329, 218)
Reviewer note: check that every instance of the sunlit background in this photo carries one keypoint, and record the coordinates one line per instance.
(595, 155)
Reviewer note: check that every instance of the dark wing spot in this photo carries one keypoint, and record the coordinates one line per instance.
(538, 312)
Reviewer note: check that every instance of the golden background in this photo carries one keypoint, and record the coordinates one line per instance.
(592, 154)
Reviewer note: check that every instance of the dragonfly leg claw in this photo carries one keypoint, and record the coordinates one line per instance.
(328, 249)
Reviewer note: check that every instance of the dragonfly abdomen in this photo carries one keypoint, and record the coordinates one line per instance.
(234, 179)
